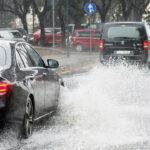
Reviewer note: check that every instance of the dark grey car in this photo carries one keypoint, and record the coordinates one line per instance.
(29, 89)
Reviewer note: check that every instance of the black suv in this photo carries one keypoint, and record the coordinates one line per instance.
(127, 40)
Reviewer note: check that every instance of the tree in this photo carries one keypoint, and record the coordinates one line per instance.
(139, 8)
(77, 12)
(6, 20)
(62, 19)
(41, 10)
(19, 8)
(103, 8)
(126, 9)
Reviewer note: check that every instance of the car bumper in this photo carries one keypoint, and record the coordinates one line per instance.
(135, 58)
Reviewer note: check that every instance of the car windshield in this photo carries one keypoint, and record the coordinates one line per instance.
(2, 57)
(125, 31)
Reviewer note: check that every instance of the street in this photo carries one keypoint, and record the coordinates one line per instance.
(75, 75)
(106, 108)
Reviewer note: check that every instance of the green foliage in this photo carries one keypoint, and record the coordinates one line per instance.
(6, 20)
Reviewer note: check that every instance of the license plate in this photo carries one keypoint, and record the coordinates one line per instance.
(123, 52)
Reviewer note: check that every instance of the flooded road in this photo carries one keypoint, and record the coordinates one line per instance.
(107, 108)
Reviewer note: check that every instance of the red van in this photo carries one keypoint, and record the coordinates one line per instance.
(83, 38)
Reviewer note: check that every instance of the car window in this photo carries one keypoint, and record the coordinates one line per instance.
(19, 60)
(48, 31)
(97, 34)
(2, 56)
(83, 34)
(148, 29)
(24, 56)
(127, 31)
(37, 60)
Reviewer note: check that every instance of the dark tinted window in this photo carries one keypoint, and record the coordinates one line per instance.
(2, 56)
(37, 60)
(83, 34)
(148, 29)
(19, 60)
(126, 31)
(24, 56)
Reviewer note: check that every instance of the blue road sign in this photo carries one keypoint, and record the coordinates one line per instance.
(90, 8)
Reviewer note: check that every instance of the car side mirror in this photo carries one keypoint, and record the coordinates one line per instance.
(52, 63)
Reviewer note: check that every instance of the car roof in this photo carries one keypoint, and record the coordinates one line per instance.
(87, 29)
(124, 22)
(10, 30)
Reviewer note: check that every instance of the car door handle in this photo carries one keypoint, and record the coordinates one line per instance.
(30, 77)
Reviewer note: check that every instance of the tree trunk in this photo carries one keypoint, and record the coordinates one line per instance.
(136, 15)
(24, 22)
(103, 18)
(42, 36)
(62, 24)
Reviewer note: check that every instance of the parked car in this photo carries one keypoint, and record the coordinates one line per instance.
(21, 31)
(83, 38)
(11, 34)
(127, 40)
(30, 38)
(48, 36)
(29, 89)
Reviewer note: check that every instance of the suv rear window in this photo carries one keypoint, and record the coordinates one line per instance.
(126, 31)
(2, 56)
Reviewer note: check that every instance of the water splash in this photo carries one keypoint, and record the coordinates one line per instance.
(106, 108)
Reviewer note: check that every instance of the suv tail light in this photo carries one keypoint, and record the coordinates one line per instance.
(5, 88)
(101, 44)
(146, 45)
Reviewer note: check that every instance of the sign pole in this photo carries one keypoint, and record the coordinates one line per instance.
(67, 20)
(90, 36)
(90, 8)
(53, 24)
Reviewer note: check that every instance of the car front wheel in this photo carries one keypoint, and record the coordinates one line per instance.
(28, 119)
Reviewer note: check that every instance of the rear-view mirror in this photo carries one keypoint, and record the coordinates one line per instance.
(52, 63)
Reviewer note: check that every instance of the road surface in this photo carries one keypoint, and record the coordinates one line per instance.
(106, 108)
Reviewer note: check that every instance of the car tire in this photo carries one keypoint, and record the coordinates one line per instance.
(79, 48)
(28, 119)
